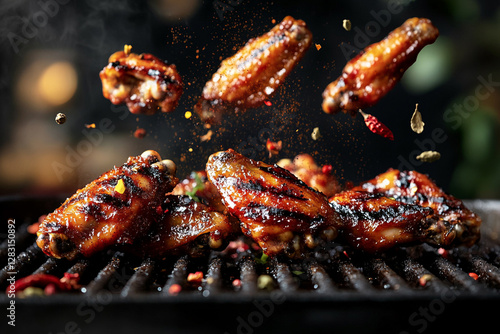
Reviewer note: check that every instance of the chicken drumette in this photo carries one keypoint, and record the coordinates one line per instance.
(277, 210)
(114, 209)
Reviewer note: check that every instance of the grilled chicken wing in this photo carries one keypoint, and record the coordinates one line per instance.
(255, 72)
(375, 71)
(456, 224)
(145, 83)
(373, 222)
(113, 210)
(277, 210)
(305, 168)
(185, 226)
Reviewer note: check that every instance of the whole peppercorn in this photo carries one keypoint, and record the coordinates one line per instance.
(60, 118)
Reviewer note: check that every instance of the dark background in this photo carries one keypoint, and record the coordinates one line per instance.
(39, 156)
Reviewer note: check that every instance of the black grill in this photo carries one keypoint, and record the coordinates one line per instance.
(336, 290)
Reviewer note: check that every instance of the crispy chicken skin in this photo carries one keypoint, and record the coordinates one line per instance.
(305, 168)
(456, 225)
(375, 71)
(144, 82)
(252, 75)
(375, 223)
(280, 212)
(185, 226)
(112, 210)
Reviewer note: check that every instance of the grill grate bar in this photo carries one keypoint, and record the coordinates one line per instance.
(248, 276)
(447, 270)
(25, 260)
(322, 282)
(140, 279)
(415, 272)
(213, 282)
(353, 277)
(178, 275)
(105, 277)
(387, 277)
(48, 267)
(283, 276)
(486, 271)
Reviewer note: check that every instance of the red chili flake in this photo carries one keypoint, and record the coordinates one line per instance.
(90, 126)
(376, 126)
(273, 147)
(346, 255)
(268, 103)
(195, 277)
(236, 283)
(424, 279)
(159, 210)
(140, 133)
(326, 169)
(174, 289)
(443, 252)
(71, 280)
(40, 281)
(474, 276)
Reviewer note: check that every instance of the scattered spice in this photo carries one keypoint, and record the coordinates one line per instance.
(90, 126)
(188, 114)
(318, 46)
(127, 48)
(263, 259)
(273, 147)
(207, 136)
(120, 187)
(196, 277)
(429, 156)
(376, 126)
(297, 272)
(174, 289)
(315, 135)
(424, 279)
(48, 284)
(268, 103)
(140, 133)
(416, 121)
(60, 118)
(237, 283)
(327, 169)
(199, 185)
(346, 24)
(474, 276)
(265, 282)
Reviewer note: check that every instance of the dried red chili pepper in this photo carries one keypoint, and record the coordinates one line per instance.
(376, 126)
(40, 281)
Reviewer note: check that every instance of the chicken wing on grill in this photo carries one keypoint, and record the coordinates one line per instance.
(185, 226)
(374, 223)
(375, 71)
(280, 212)
(144, 82)
(112, 210)
(252, 75)
(456, 225)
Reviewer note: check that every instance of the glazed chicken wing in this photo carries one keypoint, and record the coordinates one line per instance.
(458, 225)
(112, 210)
(144, 82)
(280, 212)
(251, 76)
(374, 223)
(185, 226)
(375, 71)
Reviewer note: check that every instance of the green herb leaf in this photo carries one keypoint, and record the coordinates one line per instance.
(199, 185)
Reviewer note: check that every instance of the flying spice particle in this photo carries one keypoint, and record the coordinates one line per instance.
(424, 279)
(376, 126)
(268, 103)
(429, 156)
(315, 135)
(346, 24)
(90, 126)
(127, 48)
(207, 136)
(120, 187)
(188, 114)
(174, 289)
(416, 121)
(140, 133)
(273, 147)
(60, 118)
(318, 46)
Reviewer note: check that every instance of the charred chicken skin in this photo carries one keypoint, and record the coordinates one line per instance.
(375, 71)
(185, 227)
(455, 225)
(252, 75)
(144, 82)
(277, 210)
(112, 210)
(374, 223)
